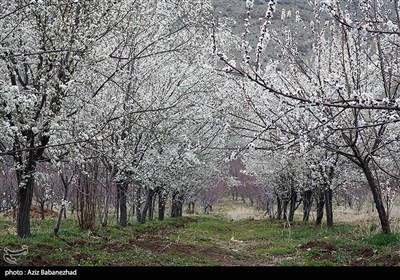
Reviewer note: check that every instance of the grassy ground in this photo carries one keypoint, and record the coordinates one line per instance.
(204, 240)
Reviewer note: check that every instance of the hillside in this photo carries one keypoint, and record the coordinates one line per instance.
(234, 12)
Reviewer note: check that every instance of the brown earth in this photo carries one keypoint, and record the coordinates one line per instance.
(219, 255)
(327, 250)
(319, 244)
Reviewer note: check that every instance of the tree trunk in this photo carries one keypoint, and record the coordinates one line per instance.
(26, 176)
(150, 211)
(177, 204)
(292, 209)
(117, 207)
(161, 205)
(320, 208)
(104, 221)
(269, 208)
(86, 199)
(328, 207)
(174, 206)
(147, 206)
(25, 195)
(161, 209)
(152, 206)
(251, 201)
(285, 205)
(63, 209)
(42, 210)
(14, 212)
(25, 201)
(191, 208)
(58, 224)
(235, 193)
(279, 210)
(383, 217)
(307, 204)
(123, 215)
(138, 203)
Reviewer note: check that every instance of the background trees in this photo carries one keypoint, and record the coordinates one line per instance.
(123, 91)
(44, 43)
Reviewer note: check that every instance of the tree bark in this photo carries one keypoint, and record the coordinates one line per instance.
(284, 207)
(58, 224)
(328, 207)
(292, 208)
(117, 209)
(25, 195)
(104, 220)
(279, 206)
(320, 208)
(86, 194)
(191, 208)
(152, 206)
(138, 203)
(42, 210)
(269, 208)
(161, 205)
(123, 215)
(147, 206)
(379, 205)
(307, 204)
(177, 204)
(109, 179)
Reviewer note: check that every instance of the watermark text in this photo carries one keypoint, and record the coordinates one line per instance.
(40, 272)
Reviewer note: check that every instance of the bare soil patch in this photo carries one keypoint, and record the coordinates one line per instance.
(219, 255)
(318, 244)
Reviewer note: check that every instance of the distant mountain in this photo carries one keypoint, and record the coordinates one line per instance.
(235, 11)
(237, 8)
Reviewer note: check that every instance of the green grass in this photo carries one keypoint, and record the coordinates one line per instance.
(381, 239)
(203, 240)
